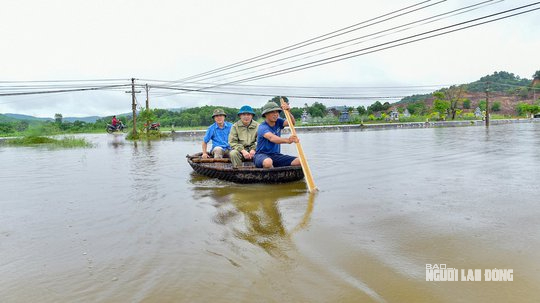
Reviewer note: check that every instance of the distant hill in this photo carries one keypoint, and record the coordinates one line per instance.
(15, 117)
(504, 88)
(4, 118)
(27, 117)
(499, 82)
(90, 119)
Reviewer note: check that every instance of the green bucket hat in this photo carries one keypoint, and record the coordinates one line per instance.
(270, 107)
(218, 112)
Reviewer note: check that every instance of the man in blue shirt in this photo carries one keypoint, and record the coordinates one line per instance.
(268, 153)
(218, 133)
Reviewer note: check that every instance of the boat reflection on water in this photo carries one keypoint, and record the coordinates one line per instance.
(263, 215)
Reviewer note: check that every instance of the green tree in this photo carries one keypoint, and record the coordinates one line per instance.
(58, 118)
(466, 103)
(21, 126)
(525, 109)
(482, 105)
(147, 116)
(440, 105)
(361, 110)
(297, 112)
(417, 108)
(496, 107)
(453, 95)
(376, 107)
(6, 128)
(317, 110)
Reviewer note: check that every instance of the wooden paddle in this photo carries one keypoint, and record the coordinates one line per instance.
(305, 167)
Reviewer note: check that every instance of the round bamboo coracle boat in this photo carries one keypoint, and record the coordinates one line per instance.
(248, 173)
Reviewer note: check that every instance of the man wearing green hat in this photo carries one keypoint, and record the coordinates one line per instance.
(243, 136)
(218, 133)
(268, 152)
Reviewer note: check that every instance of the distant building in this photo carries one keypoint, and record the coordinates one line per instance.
(305, 117)
(478, 113)
(344, 116)
(406, 113)
(394, 115)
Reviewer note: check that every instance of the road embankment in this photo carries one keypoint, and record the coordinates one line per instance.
(377, 126)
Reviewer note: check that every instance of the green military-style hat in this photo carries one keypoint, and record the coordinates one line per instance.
(218, 112)
(270, 107)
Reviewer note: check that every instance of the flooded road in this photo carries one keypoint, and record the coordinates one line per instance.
(126, 222)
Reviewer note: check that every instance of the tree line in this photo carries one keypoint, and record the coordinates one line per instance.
(447, 103)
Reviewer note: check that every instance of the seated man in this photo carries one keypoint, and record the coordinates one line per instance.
(243, 137)
(268, 152)
(218, 133)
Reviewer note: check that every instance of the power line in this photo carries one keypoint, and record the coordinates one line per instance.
(60, 91)
(383, 46)
(307, 42)
(389, 30)
(53, 81)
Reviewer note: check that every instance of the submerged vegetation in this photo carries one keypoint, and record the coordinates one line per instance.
(65, 142)
(147, 135)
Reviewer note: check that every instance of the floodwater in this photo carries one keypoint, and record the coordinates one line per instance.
(125, 222)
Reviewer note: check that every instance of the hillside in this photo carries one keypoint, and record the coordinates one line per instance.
(26, 117)
(90, 119)
(506, 88)
(508, 102)
(10, 117)
(6, 119)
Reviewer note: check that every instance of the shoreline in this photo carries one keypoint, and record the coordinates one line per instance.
(362, 127)
(377, 126)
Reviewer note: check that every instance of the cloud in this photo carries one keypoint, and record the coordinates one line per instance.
(109, 39)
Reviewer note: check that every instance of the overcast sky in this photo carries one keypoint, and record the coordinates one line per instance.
(171, 40)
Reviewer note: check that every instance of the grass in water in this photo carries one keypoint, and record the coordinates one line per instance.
(150, 135)
(66, 142)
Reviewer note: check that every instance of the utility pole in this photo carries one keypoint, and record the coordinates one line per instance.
(147, 108)
(146, 88)
(133, 105)
(487, 104)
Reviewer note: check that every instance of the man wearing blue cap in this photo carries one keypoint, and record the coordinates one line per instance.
(243, 137)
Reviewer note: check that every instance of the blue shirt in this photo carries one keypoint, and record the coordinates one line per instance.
(219, 136)
(264, 145)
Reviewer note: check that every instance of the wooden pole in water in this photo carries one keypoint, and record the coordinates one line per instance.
(487, 104)
(303, 160)
(147, 108)
(134, 107)
(147, 105)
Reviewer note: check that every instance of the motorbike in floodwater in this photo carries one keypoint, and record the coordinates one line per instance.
(120, 127)
(153, 126)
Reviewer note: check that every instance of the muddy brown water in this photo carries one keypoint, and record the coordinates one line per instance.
(125, 222)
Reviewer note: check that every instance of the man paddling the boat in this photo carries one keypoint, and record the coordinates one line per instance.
(268, 153)
(243, 137)
(218, 133)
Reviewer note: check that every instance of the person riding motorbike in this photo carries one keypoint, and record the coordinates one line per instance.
(114, 121)
(116, 125)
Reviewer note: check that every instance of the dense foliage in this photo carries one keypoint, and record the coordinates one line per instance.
(415, 98)
(498, 82)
